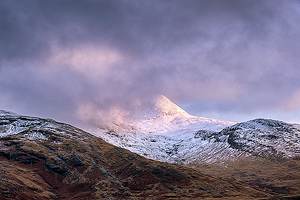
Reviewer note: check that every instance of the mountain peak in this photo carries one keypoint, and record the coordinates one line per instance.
(157, 106)
(160, 116)
(160, 99)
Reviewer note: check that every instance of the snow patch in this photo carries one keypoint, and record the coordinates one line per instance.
(6, 130)
(36, 135)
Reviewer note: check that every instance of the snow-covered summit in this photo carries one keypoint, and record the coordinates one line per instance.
(155, 107)
(159, 115)
(161, 130)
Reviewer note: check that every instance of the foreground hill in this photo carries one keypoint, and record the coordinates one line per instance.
(44, 159)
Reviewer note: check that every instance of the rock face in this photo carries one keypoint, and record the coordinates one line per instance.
(44, 159)
(264, 137)
(268, 159)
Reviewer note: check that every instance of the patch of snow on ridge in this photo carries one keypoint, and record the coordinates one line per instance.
(4, 113)
(36, 135)
(11, 130)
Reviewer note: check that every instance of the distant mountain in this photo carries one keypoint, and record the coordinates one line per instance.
(45, 159)
(157, 107)
(163, 131)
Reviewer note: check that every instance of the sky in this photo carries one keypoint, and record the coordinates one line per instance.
(76, 60)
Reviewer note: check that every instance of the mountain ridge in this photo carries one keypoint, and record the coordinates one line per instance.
(177, 137)
(45, 159)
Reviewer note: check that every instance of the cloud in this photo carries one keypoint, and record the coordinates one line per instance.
(60, 59)
(90, 61)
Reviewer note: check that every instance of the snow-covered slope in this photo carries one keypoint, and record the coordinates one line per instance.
(162, 131)
(265, 137)
(159, 116)
(13, 124)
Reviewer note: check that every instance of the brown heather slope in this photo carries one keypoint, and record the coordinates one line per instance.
(279, 177)
(43, 159)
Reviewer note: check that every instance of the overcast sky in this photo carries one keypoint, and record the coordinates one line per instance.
(73, 60)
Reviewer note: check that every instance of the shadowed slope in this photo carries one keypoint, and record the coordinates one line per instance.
(279, 177)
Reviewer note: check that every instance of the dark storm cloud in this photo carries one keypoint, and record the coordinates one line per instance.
(61, 58)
